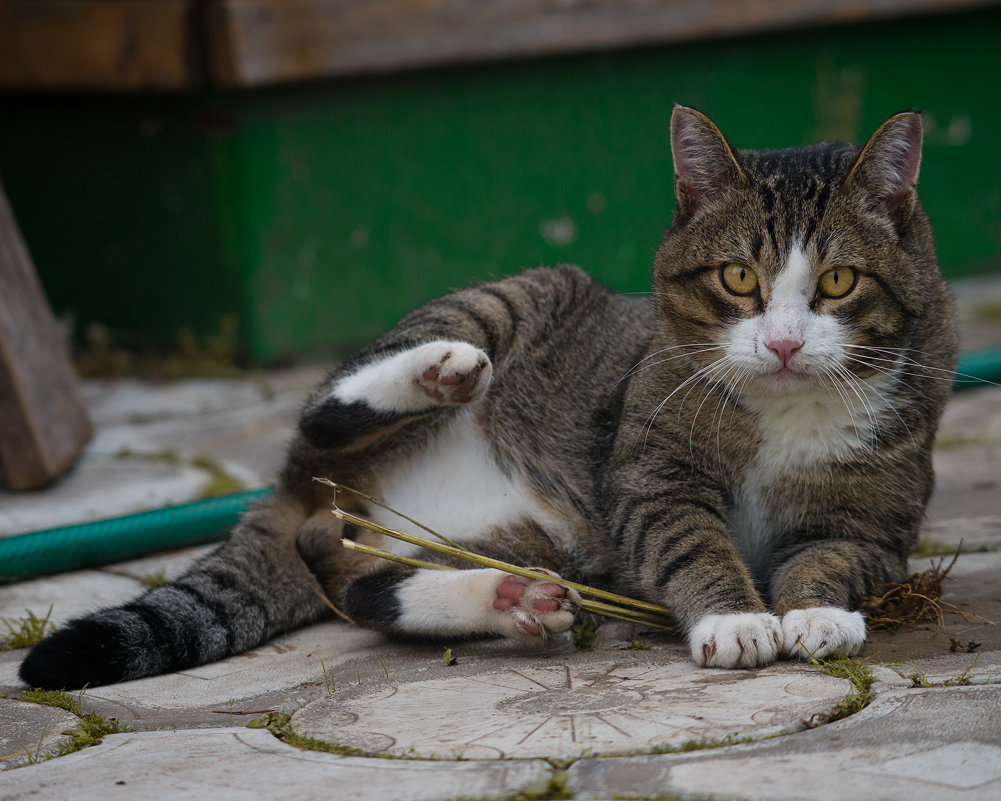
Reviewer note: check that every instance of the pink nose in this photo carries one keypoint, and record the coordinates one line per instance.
(784, 348)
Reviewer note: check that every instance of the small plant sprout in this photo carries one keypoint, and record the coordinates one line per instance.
(24, 632)
(328, 680)
(448, 659)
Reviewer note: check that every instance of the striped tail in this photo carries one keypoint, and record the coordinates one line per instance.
(252, 588)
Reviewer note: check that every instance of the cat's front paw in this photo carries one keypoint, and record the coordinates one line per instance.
(822, 630)
(736, 640)
(535, 609)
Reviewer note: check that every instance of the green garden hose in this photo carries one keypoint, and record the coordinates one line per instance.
(56, 550)
(100, 542)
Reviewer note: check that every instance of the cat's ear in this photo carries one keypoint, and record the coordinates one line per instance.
(888, 165)
(705, 165)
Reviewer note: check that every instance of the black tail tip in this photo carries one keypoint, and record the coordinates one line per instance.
(85, 653)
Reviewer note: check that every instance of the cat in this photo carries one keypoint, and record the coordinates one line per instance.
(749, 446)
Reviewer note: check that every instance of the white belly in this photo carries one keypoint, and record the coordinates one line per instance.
(455, 487)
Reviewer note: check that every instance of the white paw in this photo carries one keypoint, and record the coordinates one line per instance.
(822, 630)
(738, 640)
(452, 372)
(439, 372)
(534, 609)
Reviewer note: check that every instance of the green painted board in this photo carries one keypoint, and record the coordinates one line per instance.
(320, 213)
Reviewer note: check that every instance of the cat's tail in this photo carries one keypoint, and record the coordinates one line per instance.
(253, 587)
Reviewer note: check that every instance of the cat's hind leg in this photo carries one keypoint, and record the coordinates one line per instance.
(462, 603)
(364, 400)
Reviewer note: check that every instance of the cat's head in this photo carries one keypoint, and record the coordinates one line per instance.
(783, 268)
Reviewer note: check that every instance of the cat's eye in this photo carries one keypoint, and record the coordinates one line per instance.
(738, 278)
(838, 282)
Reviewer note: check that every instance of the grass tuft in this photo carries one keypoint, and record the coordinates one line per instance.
(919, 679)
(858, 672)
(92, 729)
(24, 632)
(585, 633)
(280, 725)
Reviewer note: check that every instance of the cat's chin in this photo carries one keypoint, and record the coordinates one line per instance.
(784, 381)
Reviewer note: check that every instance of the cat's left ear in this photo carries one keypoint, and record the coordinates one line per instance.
(888, 165)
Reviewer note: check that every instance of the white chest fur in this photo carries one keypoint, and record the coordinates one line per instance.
(798, 431)
(455, 486)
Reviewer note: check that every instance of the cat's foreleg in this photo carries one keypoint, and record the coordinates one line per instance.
(462, 603)
(366, 400)
(684, 557)
(815, 592)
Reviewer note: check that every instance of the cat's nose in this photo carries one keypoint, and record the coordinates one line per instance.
(784, 348)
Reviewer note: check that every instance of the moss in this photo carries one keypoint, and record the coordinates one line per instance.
(919, 679)
(637, 645)
(280, 725)
(929, 549)
(24, 632)
(700, 744)
(552, 788)
(220, 482)
(858, 672)
(106, 354)
(154, 579)
(92, 728)
(585, 632)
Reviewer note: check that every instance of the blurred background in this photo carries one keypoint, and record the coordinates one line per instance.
(262, 181)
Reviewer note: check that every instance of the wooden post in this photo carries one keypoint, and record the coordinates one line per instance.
(43, 424)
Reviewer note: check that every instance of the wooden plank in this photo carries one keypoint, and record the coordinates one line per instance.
(43, 424)
(95, 44)
(265, 41)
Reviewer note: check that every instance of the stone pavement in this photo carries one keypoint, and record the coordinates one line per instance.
(632, 718)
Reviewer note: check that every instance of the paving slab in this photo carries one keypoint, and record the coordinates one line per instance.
(28, 730)
(918, 745)
(239, 763)
(571, 706)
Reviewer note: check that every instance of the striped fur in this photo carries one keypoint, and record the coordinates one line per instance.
(753, 460)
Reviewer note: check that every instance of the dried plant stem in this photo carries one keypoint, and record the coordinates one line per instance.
(486, 561)
(595, 607)
(377, 502)
(315, 587)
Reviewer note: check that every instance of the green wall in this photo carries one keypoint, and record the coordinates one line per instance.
(320, 213)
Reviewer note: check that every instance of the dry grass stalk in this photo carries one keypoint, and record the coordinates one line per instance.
(588, 605)
(916, 600)
(611, 605)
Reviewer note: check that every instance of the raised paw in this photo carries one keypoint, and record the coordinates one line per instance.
(535, 609)
(822, 630)
(737, 640)
(453, 372)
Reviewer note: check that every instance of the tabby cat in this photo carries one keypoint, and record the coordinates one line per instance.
(750, 447)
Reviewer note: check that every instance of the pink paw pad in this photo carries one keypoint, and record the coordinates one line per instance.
(535, 602)
(456, 378)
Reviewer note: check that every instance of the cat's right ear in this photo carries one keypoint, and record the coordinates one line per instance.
(705, 165)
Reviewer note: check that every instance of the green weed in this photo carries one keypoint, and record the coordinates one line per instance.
(92, 729)
(24, 632)
(858, 672)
